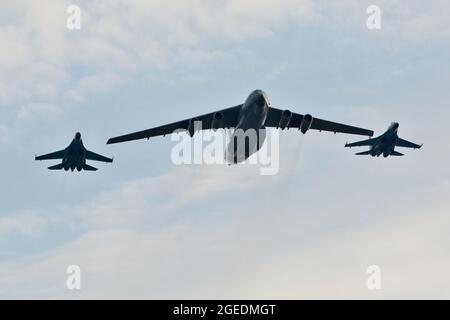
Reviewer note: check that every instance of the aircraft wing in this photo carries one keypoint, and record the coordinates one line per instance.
(362, 143)
(97, 157)
(226, 118)
(406, 144)
(274, 117)
(50, 156)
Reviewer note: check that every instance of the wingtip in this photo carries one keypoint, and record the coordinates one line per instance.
(114, 140)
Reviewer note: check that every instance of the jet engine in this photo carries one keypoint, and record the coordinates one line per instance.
(306, 123)
(285, 119)
(192, 128)
(217, 121)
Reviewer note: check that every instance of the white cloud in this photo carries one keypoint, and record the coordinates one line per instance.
(28, 223)
(253, 237)
(38, 54)
(35, 109)
(155, 238)
(92, 84)
(3, 134)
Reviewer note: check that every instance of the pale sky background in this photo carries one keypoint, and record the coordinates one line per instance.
(144, 228)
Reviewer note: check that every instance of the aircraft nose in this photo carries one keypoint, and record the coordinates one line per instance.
(260, 100)
(78, 136)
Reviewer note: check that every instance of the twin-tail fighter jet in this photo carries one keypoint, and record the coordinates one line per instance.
(74, 156)
(384, 144)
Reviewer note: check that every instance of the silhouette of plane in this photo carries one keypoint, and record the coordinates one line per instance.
(74, 156)
(384, 144)
(255, 114)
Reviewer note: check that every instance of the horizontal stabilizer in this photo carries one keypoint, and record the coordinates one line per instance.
(89, 168)
(364, 153)
(56, 167)
(395, 153)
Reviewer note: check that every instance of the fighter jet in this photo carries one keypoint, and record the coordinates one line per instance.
(74, 156)
(255, 113)
(385, 144)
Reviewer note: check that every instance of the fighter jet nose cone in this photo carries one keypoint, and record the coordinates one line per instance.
(78, 136)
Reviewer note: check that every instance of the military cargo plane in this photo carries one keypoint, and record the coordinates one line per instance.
(256, 114)
(384, 144)
(74, 156)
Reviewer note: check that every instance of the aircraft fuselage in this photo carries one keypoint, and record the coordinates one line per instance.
(386, 143)
(75, 156)
(252, 117)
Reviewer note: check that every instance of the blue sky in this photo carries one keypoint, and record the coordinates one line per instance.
(144, 228)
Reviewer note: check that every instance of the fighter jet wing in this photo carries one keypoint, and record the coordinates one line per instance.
(406, 144)
(274, 118)
(50, 156)
(368, 142)
(96, 157)
(226, 118)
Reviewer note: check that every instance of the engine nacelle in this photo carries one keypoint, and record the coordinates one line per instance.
(306, 123)
(285, 119)
(217, 121)
(193, 127)
(66, 165)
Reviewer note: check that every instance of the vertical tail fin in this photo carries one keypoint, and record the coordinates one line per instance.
(364, 153)
(395, 153)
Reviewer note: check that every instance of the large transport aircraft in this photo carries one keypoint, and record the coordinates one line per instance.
(255, 114)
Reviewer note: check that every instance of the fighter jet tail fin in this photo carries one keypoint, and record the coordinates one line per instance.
(364, 153)
(56, 167)
(89, 168)
(395, 153)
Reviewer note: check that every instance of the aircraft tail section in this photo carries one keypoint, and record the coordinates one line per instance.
(56, 167)
(395, 153)
(89, 168)
(364, 153)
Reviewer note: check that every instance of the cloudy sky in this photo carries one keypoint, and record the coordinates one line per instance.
(146, 228)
